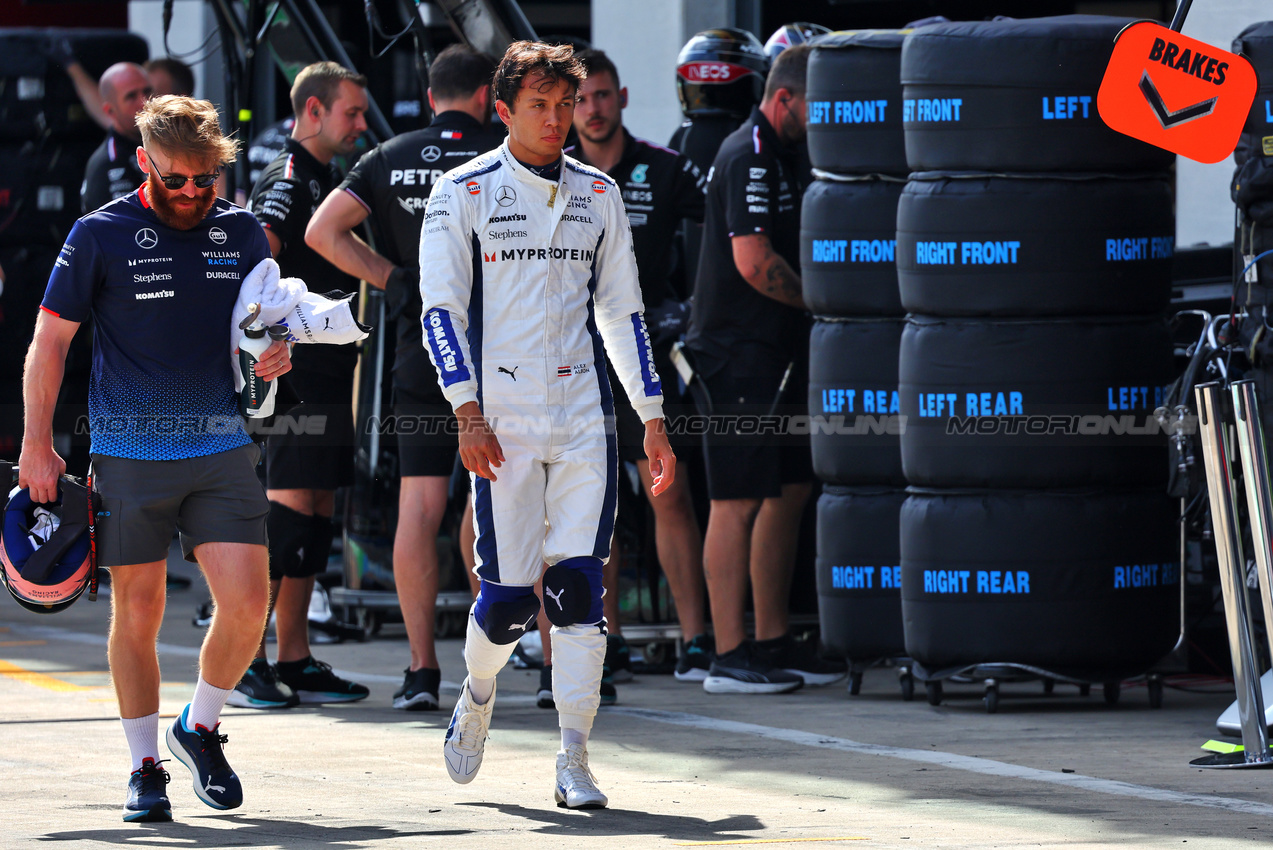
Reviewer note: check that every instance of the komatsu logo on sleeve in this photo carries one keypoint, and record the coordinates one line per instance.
(445, 351)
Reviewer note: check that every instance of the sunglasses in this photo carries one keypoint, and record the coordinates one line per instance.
(173, 182)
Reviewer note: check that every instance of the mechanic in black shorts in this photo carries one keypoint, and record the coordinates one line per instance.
(748, 331)
(304, 466)
(170, 452)
(391, 185)
(660, 187)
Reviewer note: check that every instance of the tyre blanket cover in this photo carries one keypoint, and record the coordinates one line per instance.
(1033, 403)
(1083, 584)
(992, 246)
(854, 406)
(854, 97)
(859, 572)
(1014, 95)
(848, 248)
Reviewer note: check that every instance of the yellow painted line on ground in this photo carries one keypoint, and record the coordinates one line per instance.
(40, 680)
(22, 643)
(765, 841)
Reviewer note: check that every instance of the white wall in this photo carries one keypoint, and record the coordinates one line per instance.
(1204, 210)
(643, 38)
(187, 32)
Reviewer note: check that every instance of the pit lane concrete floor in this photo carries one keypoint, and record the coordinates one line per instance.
(681, 767)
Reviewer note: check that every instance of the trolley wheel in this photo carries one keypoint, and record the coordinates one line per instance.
(933, 690)
(659, 653)
(1155, 691)
(368, 621)
(1049, 685)
(1085, 689)
(855, 682)
(449, 624)
(1112, 691)
(907, 681)
(992, 696)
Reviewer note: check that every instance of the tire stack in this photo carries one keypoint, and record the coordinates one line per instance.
(46, 138)
(847, 237)
(1034, 250)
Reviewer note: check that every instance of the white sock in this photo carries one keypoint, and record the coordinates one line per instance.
(481, 690)
(143, 737)
(205, 707)
(573, 736)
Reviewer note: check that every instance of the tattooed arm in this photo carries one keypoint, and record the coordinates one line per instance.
(766, 271)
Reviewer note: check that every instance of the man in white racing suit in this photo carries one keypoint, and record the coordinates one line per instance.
(529, 281)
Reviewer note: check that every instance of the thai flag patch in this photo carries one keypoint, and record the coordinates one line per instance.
(563, 371)
(474, 187)
(452, 134)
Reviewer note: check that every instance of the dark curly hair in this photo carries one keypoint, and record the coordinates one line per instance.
(527, 58)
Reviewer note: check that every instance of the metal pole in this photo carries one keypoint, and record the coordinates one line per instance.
(1255, 473)
(1246, 676)
(1182, 9)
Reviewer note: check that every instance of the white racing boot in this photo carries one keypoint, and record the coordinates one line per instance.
(576, 786)
(466, 736)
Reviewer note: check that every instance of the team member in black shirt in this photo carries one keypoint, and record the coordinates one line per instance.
(748, 329)
(659, 187)
(112, 170)
(303, 470)
(391, 184)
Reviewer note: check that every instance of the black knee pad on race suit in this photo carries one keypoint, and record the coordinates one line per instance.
(288, 532)
(572, 591)
(506, 612)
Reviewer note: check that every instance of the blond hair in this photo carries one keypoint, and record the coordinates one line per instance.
(185, 127)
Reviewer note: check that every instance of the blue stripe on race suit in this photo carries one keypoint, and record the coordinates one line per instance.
(605, 528)
(645, 355)
(478, 172)
(440, 334)
(483, 518)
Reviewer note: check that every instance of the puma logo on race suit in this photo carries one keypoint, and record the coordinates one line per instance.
(556, 597)
(522, 626)
(508, 373)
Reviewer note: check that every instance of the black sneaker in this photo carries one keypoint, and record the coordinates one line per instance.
(696, 658)
(544, 698)
(314, 682)
(618, 659)
(800, 658)
(215, 782)
(260, 688)
(744, 671)
(419, 691)
(147, 797)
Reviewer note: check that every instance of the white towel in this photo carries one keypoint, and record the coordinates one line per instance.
(277, 297)
(327, 318)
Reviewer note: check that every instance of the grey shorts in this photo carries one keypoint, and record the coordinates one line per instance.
(211, 499)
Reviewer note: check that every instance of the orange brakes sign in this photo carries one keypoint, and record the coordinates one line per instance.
(1176, 92)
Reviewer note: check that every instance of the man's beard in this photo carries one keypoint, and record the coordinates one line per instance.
(178, 219)
(604, 137)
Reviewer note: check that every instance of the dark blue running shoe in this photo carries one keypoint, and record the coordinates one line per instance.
(214, 781)
(147, 798)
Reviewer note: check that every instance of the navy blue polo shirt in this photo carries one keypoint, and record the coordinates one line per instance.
(162, 386)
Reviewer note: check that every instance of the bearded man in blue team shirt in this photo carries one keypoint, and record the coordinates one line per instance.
(169, 448)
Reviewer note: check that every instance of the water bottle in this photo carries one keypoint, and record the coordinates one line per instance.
(256, 399)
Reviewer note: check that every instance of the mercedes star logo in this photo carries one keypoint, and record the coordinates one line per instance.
(505, 197)
(431, 154)
(146, 238)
